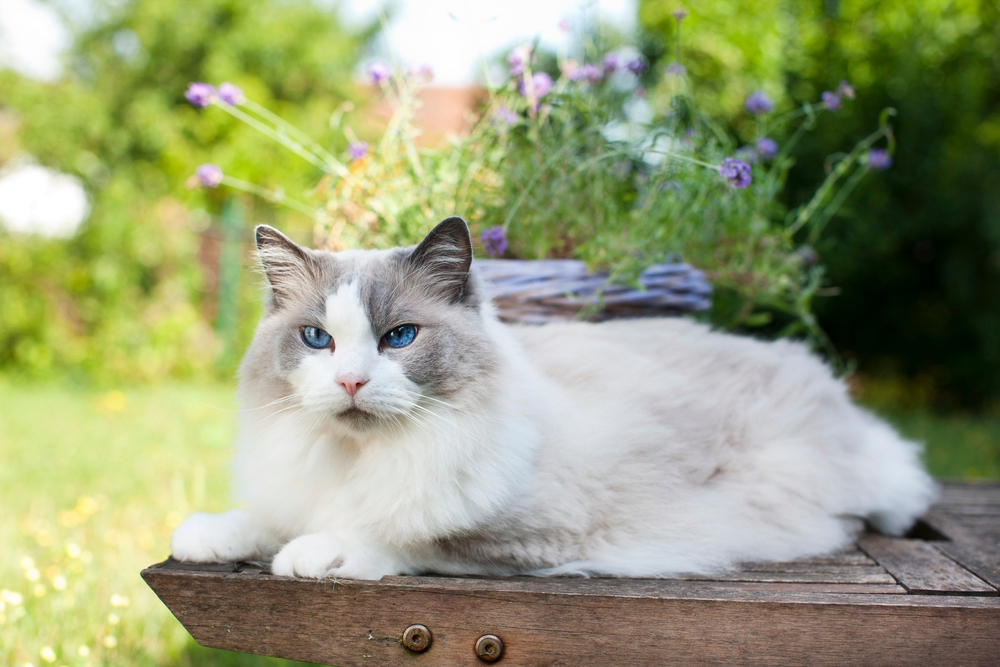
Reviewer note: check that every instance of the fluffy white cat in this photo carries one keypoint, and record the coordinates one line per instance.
(392, 425)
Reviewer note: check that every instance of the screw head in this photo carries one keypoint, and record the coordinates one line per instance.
(489, 648)
(417, 638)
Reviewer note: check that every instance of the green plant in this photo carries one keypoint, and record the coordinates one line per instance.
(913, 256)
(590, 164)
(126, 298)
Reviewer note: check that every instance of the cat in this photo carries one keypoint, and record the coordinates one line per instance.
(391, 424)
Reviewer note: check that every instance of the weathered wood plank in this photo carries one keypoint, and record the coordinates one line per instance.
(968, 509)
(952, 527)
(970, 493)
(983, 560)
(574, 621)
(852, 557)
(922, 569)
(858, 574)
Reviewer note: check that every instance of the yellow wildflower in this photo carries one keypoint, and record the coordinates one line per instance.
(83, 651)
(73, 550)
(110, 641)
(12, 598)
(114, 401)
(48, 655)
(113, 619)
(86, 505)
(27, 563)
(39, 590)
(119, 601)
(32, 574)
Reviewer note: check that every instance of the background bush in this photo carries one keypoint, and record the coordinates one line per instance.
(916, 253)
(125, 299)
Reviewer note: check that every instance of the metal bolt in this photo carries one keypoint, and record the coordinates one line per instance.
(417, 638)
(489, 648)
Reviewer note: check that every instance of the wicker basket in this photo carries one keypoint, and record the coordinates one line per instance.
(555, 290)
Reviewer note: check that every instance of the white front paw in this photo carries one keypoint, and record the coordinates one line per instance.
(217, 538)
(323, 555)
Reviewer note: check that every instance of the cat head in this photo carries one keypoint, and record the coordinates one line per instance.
(365, 337)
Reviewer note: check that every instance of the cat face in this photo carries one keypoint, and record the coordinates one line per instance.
(368, 337)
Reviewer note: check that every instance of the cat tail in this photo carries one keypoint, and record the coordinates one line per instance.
(903, 490)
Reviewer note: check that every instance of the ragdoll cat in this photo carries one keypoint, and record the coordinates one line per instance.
(392, 425)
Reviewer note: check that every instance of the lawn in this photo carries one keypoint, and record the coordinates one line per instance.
(93, 482)
(91, 486)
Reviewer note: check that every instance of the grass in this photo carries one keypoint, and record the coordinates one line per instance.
(92, 484)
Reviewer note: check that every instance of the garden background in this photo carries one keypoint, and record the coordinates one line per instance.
(118, 342)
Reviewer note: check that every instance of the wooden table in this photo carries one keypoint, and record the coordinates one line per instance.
(926, 600)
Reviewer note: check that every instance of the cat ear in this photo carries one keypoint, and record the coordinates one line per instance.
(445, 256)
(288, 266)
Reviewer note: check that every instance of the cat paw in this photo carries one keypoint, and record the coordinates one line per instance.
(323, 555)
(218, 538)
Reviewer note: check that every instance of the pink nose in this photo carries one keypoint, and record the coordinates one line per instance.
(352, 383)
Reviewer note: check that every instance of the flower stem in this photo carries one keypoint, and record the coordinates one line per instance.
(274, 196)
(295, 132)
(840, 170)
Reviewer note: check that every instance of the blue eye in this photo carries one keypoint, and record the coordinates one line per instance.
(401, 336)
(316, 338)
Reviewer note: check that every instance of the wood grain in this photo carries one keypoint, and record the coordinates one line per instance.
(574, 622)
(922, 569)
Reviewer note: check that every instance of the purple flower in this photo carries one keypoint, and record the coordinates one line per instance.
(209, 175)
(564, 25)
(378, 72)
(357, 149)
(675, 69)
(504, 116)
(831, 100)
(589, 72)
(231, 94)
(845, 90)
(679, 14)
(747, 154)
(610, 63)
(517, 59)
(494, 241)
(541, 84)
(424, 71)
(636, 65)
(879, 159)
(199, 94)
(736, 172)
(767, 148)
(758, 103)
(569, 68)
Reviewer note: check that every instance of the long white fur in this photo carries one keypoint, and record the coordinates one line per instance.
(647, 448)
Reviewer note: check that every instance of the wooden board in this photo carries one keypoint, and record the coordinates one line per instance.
(922, 569)
(892, 601)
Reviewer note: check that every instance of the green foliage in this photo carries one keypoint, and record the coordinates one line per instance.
(914, 254)
(595, 169)
(125, 297)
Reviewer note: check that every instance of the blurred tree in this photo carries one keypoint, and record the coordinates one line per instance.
(121, 299)
(916, 252)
